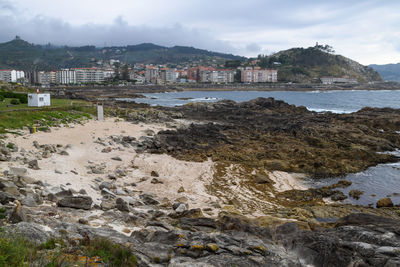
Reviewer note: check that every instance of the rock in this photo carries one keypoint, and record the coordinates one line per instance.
(122, 205)
(32, 231)
(355, 193)
(36, 144)
(384, 202)
(32, 200)
(21, 172)
(58, 171)
(5, 198)
(180, 207)
(154, 174)
(116, 158)
(106, 185)
(107, 192)
(106, 150)
(46, 154)
(74, 172)
(33, 164)
(107, 204)
(83, 221)
(18, 214)
(111, 176)
(338, 196)
(77, 202)
(82, 192)
(261, 179)
(181, 189)
(149, 132)
(148, 200)
(156, 181)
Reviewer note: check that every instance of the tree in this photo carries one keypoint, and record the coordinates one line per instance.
(125, 72)
(117, 67)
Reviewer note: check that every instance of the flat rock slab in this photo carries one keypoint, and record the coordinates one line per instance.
(76, 202)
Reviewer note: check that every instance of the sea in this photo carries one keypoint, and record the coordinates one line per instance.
(377, 182)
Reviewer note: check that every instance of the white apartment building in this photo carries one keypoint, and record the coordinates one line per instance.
(11, 75)
(89, 75)
(66, 76)
(168, 75)
(216, 76)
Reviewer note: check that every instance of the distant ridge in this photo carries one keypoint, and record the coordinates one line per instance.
(389, 72)
(23, 55)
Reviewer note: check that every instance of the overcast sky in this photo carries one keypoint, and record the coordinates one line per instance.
(367, 31)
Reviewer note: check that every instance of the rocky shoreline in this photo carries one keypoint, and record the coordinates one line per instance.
(216, 184)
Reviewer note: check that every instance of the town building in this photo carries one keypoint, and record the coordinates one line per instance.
(168, 75)
(38, 100)
(152, 75)
(11, 75)
(66, 76)
(254, 75)
(89, 75)
(333, 80)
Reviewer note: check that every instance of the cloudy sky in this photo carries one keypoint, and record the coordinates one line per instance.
(365, 30)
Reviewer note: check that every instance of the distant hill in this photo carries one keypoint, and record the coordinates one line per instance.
(20, 54)
(389, 72)
(310, 64)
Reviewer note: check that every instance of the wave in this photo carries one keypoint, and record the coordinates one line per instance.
(339, 111)
(201, 99)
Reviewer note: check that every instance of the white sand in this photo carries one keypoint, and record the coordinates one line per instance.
(173, 173)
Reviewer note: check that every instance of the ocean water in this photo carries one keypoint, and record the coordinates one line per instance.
(376, 182)
(320, 101)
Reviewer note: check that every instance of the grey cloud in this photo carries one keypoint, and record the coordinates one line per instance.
(253, 48)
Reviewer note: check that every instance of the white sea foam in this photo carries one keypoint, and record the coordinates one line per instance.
(339, 111)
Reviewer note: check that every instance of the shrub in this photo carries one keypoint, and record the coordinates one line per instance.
(1, 97)
(14, 250)
(15, 101)
(111, 253)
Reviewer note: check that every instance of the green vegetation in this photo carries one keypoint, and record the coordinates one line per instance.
(310, 64)
(21, 98)
(23, 55)
(17, 251)
(62, 111)
(111, 253)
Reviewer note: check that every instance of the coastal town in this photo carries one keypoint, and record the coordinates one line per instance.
(140, 74)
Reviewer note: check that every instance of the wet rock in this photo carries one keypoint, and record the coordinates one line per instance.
(76, 202)
(338, 196)
(356, 194)
(384, 202)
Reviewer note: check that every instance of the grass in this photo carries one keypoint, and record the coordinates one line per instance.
(55, 103)
(61, 112)
(17, 251)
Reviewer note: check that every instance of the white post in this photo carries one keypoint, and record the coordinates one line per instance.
(100, 112)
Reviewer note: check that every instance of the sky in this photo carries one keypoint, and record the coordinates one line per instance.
(367, 31)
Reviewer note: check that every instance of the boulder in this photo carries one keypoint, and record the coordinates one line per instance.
(33, 164)
(76, 202)
(384, 202)
(122, 205)
(261, 179)
(6, 197)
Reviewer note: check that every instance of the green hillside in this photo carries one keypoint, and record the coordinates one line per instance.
(310, 64)
(20, 54)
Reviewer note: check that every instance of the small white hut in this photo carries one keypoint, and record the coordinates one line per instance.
(38, 100)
